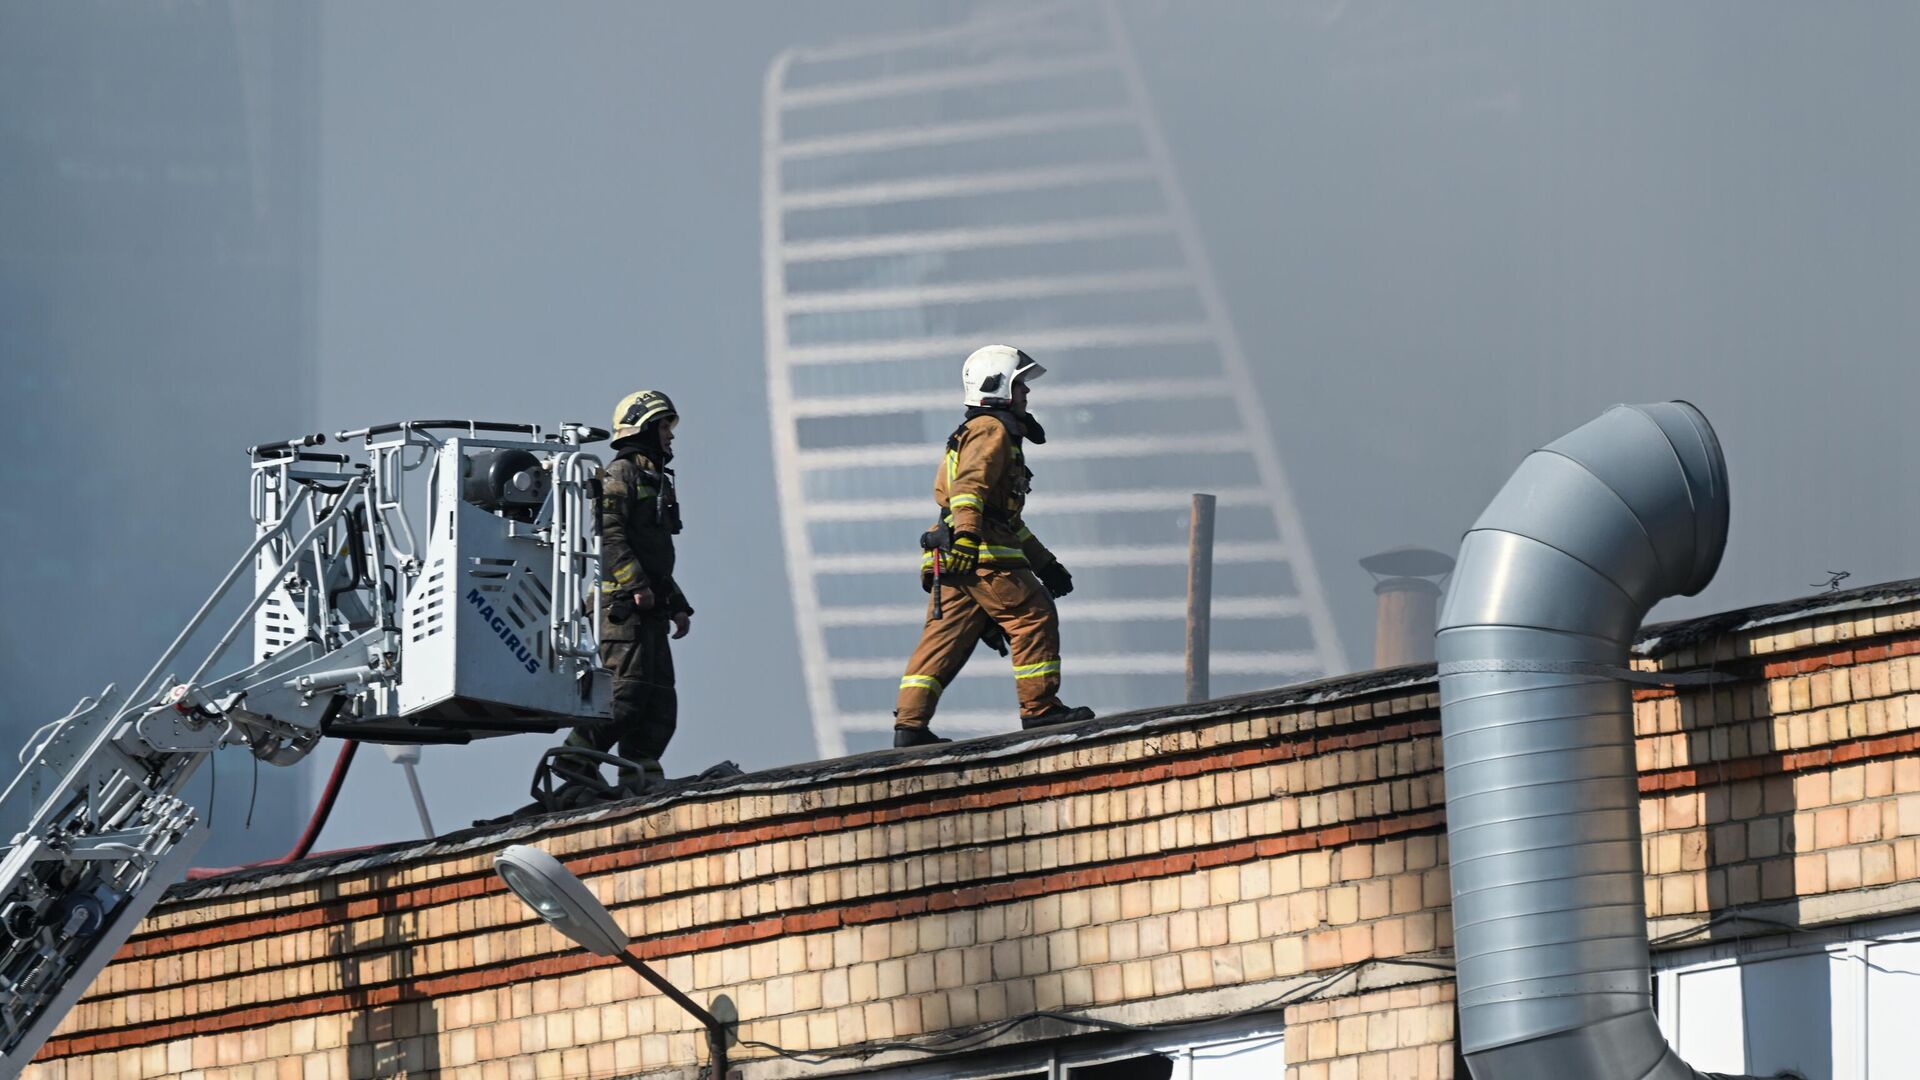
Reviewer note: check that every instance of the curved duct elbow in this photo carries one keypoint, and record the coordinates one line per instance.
(1543, 801)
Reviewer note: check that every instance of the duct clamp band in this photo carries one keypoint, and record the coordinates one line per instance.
(1588, 668)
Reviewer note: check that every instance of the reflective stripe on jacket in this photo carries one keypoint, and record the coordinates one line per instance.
(982, 489)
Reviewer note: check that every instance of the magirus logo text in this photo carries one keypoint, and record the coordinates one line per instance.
(500, 627)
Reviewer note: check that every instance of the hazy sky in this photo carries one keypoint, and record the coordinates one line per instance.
(1446, 234)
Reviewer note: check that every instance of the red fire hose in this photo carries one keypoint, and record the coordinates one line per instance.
(318, 821)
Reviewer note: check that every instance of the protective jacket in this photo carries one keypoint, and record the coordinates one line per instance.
(982, 489)
(639, 515)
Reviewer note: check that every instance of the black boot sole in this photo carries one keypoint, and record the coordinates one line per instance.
(905, 737)
(1064, 716)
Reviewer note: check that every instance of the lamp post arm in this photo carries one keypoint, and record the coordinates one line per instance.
(716, 1030)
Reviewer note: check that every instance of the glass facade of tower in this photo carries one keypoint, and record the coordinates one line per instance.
(1002, 179)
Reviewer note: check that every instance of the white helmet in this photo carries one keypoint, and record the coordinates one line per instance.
(989, 375)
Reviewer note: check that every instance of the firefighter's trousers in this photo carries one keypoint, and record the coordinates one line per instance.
(646, 706)
(1012, 598)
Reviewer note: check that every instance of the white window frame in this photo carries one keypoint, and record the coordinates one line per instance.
(1847, 943)
(1056, 1059)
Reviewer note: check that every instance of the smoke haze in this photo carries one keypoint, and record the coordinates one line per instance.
(1445, 236)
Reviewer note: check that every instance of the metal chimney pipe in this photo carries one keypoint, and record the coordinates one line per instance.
(1407, 583)
(1543, 801)
(1199, 597)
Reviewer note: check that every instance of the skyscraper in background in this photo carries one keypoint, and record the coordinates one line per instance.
(1002, 179)
(156, 296)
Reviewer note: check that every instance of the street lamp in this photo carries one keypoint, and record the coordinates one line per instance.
(554, 894)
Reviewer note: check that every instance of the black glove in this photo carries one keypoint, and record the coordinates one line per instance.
(934, 540)
(620, 608)
(995, 638)
(1056, 579)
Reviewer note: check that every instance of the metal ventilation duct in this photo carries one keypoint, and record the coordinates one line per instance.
(1543, 804)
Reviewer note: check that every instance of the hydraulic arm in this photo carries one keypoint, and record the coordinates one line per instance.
(479, 621)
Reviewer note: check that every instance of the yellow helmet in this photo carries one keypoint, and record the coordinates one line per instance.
(638, 409)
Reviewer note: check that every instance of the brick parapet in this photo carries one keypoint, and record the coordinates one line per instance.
(1244, 845)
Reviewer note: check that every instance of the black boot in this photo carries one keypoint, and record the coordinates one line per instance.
(1061, 715)
(915, 736)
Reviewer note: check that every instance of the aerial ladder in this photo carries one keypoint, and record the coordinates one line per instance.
(435, 583)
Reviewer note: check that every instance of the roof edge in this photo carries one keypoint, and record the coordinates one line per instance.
(1653, 641)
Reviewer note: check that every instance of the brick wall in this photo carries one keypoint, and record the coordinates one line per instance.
(1800, 785)
(1171, 866)
(1382, 1035)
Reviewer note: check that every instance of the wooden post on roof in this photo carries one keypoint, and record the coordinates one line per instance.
(1199, 596)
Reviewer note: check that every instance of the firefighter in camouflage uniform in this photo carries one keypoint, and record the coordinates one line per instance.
(641, 606)
(988, 575)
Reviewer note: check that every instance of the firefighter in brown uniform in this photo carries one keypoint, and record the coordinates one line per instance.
(993, 576)
(641, 606)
